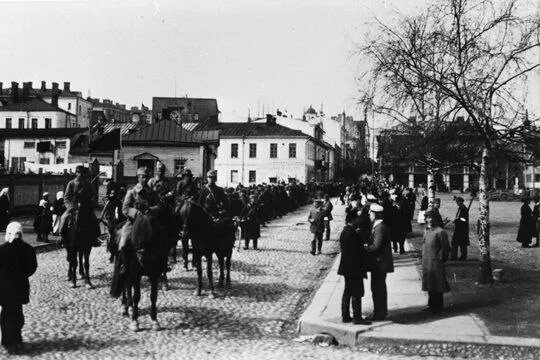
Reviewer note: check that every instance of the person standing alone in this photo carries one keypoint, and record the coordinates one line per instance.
(17, 263)
(327, 208)
(316, 219)
(460, 238)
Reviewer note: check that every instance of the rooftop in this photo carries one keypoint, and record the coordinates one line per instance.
(166, 132)
(239, 129)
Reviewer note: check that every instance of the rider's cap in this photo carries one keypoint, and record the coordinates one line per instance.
(79, 169)
(211, 173)
(142, 171)
(186, 172)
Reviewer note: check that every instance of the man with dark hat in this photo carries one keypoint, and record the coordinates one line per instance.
(380, 250)
(159, 183)
(460, 238)
(186, 186)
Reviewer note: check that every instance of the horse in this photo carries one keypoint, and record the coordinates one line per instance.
(208, 237)
(79, 235)
(145, 254)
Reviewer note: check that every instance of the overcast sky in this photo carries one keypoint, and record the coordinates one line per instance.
(284, 54)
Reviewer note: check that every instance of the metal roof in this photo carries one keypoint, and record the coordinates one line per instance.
(169, 132)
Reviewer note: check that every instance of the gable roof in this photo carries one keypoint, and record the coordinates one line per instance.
(239, 129)
(32, 104)
(167, 132)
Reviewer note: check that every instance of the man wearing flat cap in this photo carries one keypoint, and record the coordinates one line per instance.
(380, 252)
(139, 198)
(460, 238)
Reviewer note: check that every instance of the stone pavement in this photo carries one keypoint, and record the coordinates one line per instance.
(255, 319)
(406, 322)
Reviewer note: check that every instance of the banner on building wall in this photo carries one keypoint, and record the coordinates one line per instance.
(29, 167)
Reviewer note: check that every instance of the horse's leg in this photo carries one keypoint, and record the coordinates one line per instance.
(228, 265)
(87, 269)
(73, 267)
(198, 256)
(164, 281)
(124, 303)
(154, 280)
(185, 252)
(210, 275)
(221, 262)
(134, 326)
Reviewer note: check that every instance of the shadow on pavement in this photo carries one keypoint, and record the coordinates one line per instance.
(35, 348)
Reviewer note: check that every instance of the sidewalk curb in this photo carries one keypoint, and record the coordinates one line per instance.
(311, 322)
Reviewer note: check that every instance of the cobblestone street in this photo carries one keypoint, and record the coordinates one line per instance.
(256, 318)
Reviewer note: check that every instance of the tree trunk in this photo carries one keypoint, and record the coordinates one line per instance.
(485, 276)
(430, 187)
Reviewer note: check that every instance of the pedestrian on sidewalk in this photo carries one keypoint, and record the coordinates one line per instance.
(526, 226)
(43, 221)
(17, 263)
(4, 208)
(316, 219)
(460, 238)
(327, 208)
(381, 262)
(353, 266)
(435, 251)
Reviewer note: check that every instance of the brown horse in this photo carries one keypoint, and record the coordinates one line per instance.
(208, 237)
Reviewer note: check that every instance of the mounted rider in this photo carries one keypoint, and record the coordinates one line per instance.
(159, 183)
(213, 198)
(186, 187)
(139, 198)
(77, 190)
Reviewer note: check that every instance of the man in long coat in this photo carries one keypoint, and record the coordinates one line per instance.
(353, 266)
(460, 238)
(17, 263)
(382, 263)
(435, 251)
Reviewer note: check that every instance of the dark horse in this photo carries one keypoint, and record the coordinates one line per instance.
(208, 237)
(79, 235)
(145, 254)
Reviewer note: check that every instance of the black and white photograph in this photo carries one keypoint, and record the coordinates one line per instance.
(270, 179)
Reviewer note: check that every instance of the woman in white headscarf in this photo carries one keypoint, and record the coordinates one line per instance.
(4, 208)
(17, 263)
(57, 209)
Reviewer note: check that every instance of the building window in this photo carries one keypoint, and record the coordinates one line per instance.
(179, 165)
(44, 161)
(292, 150)
(34, 123)
(47, 123)
(59, 160)
(536, 177)
(234, 176)
(69, 106)
(272, 180)
(252, 176)
(252, 150)
(8, 123)
(60, 144)
(273, 150)
(21, 123)
(234, 151)
(29, 145)
(80, 109)
(196, 117)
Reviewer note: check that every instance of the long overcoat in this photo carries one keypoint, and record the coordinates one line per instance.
(380, 249)
(461, 230)
(435, 251)
(526, 225)
(17, 263)
(353, 262)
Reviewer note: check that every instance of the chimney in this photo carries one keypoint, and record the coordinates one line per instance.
(14, 91)
(54, 96)
(26, 91)
(43, 85)
(270, 119)
(66, 87)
